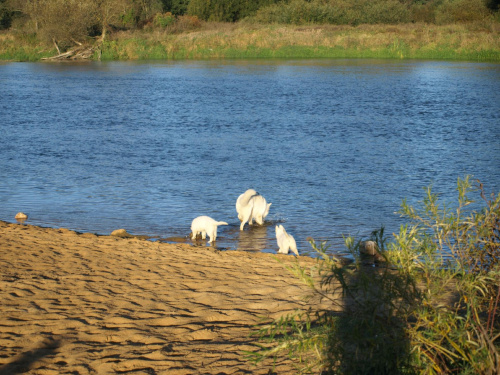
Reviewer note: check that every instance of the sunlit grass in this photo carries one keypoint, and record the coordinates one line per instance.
(457, 42)
(23, 48)
(224, 40)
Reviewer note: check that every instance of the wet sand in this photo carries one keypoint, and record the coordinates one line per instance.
(76, 303)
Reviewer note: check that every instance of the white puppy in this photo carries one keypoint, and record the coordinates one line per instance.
(285, 241)
(251, 206)
(205, 225)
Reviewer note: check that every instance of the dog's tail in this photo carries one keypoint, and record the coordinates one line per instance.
(293, 244)
(222, 223)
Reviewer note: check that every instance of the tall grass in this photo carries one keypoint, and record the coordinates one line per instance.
(475, 42)
(432, 307)
(419, 41)
(23, 47)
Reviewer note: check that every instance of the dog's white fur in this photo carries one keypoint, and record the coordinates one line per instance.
(251, 206)
(243, 201)
(260, 209)
(206, 226)
(285, 241)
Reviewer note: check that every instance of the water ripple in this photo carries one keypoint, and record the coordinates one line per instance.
(335, 145)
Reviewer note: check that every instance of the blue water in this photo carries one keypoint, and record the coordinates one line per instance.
(335, 145)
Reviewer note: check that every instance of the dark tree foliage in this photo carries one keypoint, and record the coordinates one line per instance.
(5, 16)
(177, 7)
(493, 4)
(226, 10)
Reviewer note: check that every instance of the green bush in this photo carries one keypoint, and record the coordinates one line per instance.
(355, 12)
(340, 12)
(384, 11)
(432, 307)
(455, 255)
(460, 11)
(300, 12)
(163, 20)
(423, 12)
(186, 23)
(174, 24)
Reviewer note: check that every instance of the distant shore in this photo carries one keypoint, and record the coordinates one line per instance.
(83, 303)
(244, 41)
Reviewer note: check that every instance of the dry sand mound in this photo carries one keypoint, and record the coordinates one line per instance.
(84, 304)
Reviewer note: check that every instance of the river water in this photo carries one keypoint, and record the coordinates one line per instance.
(335, 145)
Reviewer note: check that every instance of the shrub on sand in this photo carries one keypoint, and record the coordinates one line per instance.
(430, 308)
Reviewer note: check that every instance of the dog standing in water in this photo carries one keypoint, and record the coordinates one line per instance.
(206, 226)
(251, 206)
(285, 241)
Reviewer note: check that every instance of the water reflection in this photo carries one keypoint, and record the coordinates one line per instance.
(254, 238)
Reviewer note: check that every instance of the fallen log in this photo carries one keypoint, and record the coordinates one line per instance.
(79, 53)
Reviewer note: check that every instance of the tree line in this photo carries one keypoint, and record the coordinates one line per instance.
(69, 22)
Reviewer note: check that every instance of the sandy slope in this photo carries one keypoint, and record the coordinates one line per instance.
(84, 304)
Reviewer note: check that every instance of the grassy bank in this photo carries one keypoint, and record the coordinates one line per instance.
(233, 41)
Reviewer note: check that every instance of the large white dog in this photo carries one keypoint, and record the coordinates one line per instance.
(205, 225)
(252, 206)
(285, 241)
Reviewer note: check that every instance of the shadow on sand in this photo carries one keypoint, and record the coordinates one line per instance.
(368, 335)
(24, 361)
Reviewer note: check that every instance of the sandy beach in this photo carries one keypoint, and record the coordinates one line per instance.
(75, 303)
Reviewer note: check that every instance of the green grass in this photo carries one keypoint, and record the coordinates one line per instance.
(23, 48)
(133, 51)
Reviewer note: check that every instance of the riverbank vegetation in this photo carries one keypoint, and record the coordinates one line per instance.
(31, 30)
(427, 303)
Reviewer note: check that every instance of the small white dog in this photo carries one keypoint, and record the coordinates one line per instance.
(252, 206)
(285, 241)
(205, 225)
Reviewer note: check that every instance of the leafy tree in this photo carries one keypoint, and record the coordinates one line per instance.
(60, 21)
(109, 12)
(69, 22)
(28, 8)
(139, 11)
